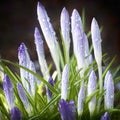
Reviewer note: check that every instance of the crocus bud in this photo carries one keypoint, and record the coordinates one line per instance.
(48, 33)
(105, 116)
(87, 52)
(109, 91)
(49, 93)
(65, 26)
(8, 91)
(24, 60)
(32, 79)
(81, 97)
(67, 110)
(40, 53)
(15, 114)
(23, 96)
(91, 89)
(65, 29)
(79, 44)
(96, 40)
(64, 86)
(75, 21)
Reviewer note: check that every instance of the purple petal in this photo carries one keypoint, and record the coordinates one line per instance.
(96, 40)
(65, 26)
(81, 97)
(39, 43)
(105, 116)
(79, 46)
(24, 60)
(49, 93)
(49, 34)
(91, 88)
(32, 79)
(23, 55)
(75, 20)
(15, 114)
(67, 110)
(22, 95)
(8, 91)
(45, 24)
(64, 85)
(40, 53)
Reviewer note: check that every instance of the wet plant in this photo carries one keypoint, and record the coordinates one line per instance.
(79, 88)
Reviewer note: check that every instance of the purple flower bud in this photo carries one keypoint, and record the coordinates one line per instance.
(32, 80)
(91, 89)
(67, 110)
(46, 26)
(109, 91)
(81, 97)
(39, 43)
(87, 52)
(75, 20)
(96, 40)
(23, 96)
(40, 53)
(105, 116)
(15, 114)
(49, 34)
(23, 55)
(49, 93)
(65, 27)
(24, 60)
(8, 91)
(79, 48)
(64, 85)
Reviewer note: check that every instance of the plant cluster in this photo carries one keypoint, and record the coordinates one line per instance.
(80, 87)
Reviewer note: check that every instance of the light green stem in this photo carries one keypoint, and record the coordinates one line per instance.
(100, 86)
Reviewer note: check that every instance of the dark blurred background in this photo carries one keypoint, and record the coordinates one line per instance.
(18, 19)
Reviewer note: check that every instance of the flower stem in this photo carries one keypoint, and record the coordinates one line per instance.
(100, 86)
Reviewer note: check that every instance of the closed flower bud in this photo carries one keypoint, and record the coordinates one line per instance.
(105, 116)
(81, 98)
(49, 34)
(49, 93)
(96, 40)
(23, 96)
(67, 110)
(64, 86)
(15, 114)
(109, 91)
(24, 60)
(8, 91)
(40, 53)
(91, 89)
(75, 21)
(65, 30)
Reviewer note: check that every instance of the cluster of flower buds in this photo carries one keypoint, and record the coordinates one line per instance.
(83, 57)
